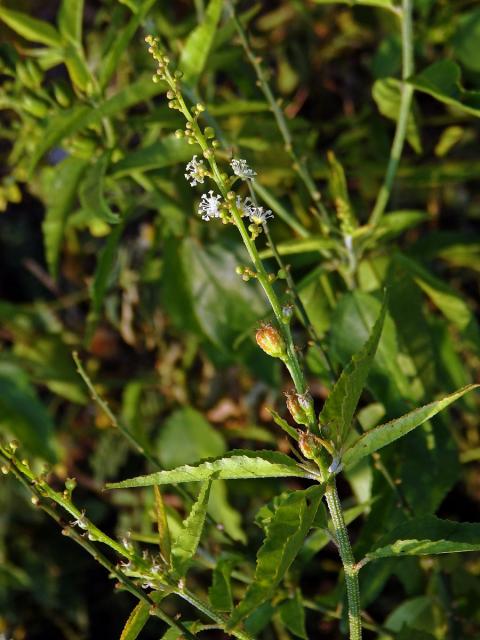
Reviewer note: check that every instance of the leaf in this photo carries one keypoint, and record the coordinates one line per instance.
(22, 415)
(442, 80)
(284, 538)
(466, 39)
(220, 591)
(111, 60)
(199, 43)
(283, 424)
(60, 195)
(235, 465)
(70, 20)
(387, 93)
(31, 28)
(302, 245)
(383, 435)
(340, 405)
(91, 192)
(394, 223)
(167, 152)
(380, 4)
(185, 545)
(136, 621)
(292, 614)
(428, 535)
(337, 183)
(67, 122)
(162, 524)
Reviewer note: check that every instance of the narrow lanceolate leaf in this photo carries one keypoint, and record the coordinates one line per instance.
(236, 465)
(286, 533)
(199, 43)
(60, 194)
(162, 524)
(283, 424)
(91, 192)
(136, 621)
(30, 28)
(70, 20)
(428, 535)
(185, 546)
(220, 591)
(340, 405)
(386, 433)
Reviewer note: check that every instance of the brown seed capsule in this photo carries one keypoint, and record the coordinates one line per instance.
(271, 341)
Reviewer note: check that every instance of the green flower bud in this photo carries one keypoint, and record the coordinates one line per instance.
(271, 341)
(295, 408)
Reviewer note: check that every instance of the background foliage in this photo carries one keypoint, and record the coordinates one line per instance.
(101, 252)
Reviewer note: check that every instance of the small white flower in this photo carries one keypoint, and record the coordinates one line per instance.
(80, 521)
(336, 466)
(242, 170)
(259, 216)
(245, 206)
(209, 206)
(195, 172)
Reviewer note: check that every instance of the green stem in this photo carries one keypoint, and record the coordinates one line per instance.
(348, 561)
(402, 122)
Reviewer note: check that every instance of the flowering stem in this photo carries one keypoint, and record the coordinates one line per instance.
(348, 561)
(402, 122)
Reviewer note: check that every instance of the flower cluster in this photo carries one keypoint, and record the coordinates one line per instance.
(242, 170)
(195, 172)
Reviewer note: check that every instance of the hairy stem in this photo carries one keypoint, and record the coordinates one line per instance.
(405, 104)
(348, 561)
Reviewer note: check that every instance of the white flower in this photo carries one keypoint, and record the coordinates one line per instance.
(259, 216)
(209, 206)
(80, 521)
(242, 170)
(245, 206)
(195, 172)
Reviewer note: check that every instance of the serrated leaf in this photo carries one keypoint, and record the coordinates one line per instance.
(199, 43)
(341, 404)
(60, 194)
(185, 545)
(428, 535)
(136, 621)
(91, 192)
(30, 28)
(236, 465)
(286, 533)
(162, 524)
(386, 433)
(442, 80)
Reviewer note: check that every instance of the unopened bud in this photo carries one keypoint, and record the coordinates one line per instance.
(287, 313)
(70, 484)
(296, 408)
(309, 445)
(271, 341)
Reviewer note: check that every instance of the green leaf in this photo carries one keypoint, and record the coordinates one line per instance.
(466, 39)
(220, 591)
(67, 122)
(340, 405)
(442, 80)
(285, 535)
(167, 152)
(185, 545)
(427, 535)
(22, 415)
(337, 183)
(283, 424)
(70, 20)
(387, 94)
(301, 245)
(199, 43)
(111, 60)
(292, 614)
(76, 64)
(236, 465)
(162, 524)
(380, 4)
(31, 28)
(383, 435)
(91, 192)
(395, 223)
(60, 194)
(136, 621)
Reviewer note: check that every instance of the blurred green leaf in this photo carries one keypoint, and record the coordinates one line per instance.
(387, 94)
(385, 434)
(92, 189)
(235, 465)
(199, 43)
(31, 28)
(167, 152)
(292, 614)
(466, 38)
(60, 189)
(284, 538)
(442, 80)
(22, 415)
(220, 591)
(70, 18)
